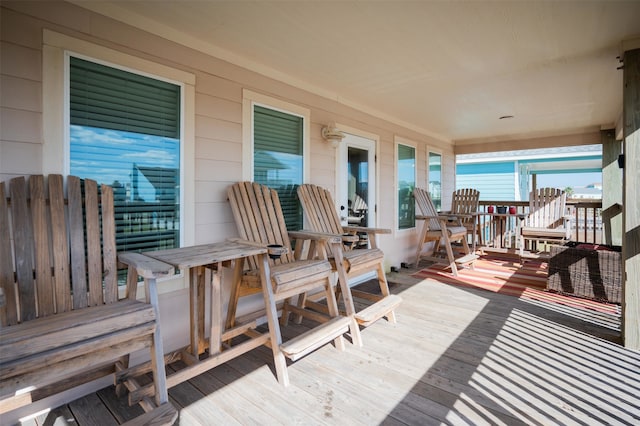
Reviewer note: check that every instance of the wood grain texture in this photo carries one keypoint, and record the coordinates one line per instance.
(631, 201)
(456, 356)
(349, 263)
(23, 248)
(42, 254)
(8, 311)
(439, 230)
(59, 241)
(76, 243)
(57, 332)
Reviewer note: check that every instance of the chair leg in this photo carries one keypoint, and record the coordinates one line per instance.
(347, 298)
(272, 321)
(451, 258)
(302, 302)
(156, 349)
(121, 389)
(423, 234)
(384, 289)
(466, 250)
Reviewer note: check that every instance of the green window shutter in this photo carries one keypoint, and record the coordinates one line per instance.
(110, 98)
(278, 158)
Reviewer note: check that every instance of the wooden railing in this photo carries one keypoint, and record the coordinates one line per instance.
(587, 217)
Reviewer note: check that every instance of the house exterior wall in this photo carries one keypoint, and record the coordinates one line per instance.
(495, 181)
(217, 159)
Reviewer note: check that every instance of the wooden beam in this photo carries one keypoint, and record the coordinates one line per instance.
(611, 188)
(631, 201)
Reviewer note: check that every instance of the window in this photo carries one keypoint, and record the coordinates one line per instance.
(406, 184)
(275, 145)
(124, 131)
(435, 179)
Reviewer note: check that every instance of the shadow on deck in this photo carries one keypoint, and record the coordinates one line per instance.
(456, 356)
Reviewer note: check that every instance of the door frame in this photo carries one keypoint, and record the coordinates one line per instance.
(372, 144)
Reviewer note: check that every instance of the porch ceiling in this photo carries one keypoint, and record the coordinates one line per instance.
(449, 69)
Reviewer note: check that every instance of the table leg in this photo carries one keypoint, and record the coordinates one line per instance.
(238, 265)
(196, 304)
(272, 319)
(215, 334)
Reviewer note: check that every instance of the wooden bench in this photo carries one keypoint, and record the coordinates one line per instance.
(63, 320)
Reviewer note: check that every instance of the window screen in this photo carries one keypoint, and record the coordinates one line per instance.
(125, 132)
(278, 158)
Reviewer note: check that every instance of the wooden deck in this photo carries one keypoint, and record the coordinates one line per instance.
(456, 356)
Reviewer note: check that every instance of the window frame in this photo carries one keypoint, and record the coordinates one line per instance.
(405, 142)
(251, 99)
(57, 48)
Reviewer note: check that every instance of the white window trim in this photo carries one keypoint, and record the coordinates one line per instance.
(249, 100)
(439, 152)
(406, 142)
(56, 51)
(435, 151)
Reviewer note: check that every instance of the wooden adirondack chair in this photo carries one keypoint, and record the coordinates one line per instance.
(547, 220)
(259, 219)
(442, 229)
(323, 217)
(63, 320)
(465, 202)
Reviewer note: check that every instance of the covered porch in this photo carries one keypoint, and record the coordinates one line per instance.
(455, 355)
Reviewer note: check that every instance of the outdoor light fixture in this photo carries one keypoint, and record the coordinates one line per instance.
(332, 134)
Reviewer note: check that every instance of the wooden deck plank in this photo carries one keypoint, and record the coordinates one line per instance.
(304, 392)
(119, 407)
(193, 409)
(455, 356)
(90, 411)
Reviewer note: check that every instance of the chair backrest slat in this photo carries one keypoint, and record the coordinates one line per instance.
(546, 207)
(426, 207)
(94, 256)
(109, 251)
(60, 243)
(42, 244)
(77, 244)
(8, 312)
(23, 249)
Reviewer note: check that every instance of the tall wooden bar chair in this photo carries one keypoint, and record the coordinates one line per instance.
(259, 219)
(64, 320)
(442, 230)
(322, 216)
(465, 202)
(547, 220)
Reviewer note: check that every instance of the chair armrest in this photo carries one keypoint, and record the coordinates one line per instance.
(272, 249)
(444, 217)
(455, 216)
(366, 230)
(317, 236)
(145, 266)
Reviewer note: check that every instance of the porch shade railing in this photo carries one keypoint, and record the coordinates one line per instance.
(586, 224)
